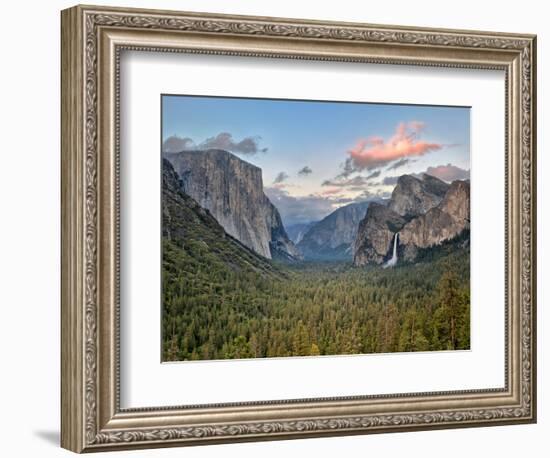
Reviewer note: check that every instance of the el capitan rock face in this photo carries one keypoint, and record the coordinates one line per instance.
(425, 212)
(232, 190)
(334, 235)
(186, 225)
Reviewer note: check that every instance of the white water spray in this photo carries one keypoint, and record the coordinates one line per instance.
(393, 261)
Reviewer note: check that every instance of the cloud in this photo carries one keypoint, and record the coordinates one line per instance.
(343, 200)
(448, 172)
(175, 144)
(374, 152)
(357, 183)
(331, 191)
(349, 183)
(304, 171)
(347, 168)
(373, 175)
(367, 194)
(224, 140)
(280, 178)
(399, 163)
(390, 181)
(314, 207)
(300, 209)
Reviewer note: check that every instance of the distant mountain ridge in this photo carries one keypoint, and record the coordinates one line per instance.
(333, 236)
(297, 231)
(232, 190)
(424, 212)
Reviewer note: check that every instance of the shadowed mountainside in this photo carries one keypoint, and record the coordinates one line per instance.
(332, 237)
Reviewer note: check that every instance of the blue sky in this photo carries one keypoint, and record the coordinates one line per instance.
(350, 151)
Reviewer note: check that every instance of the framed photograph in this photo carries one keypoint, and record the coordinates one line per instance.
(277, 228)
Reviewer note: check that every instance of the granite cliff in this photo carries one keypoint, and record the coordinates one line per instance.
(192, 235)
(424, 211)
(375, 234)
(232, 191)
(413, 196)
(440, 223)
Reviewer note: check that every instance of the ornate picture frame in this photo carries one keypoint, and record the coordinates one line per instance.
(93, 39)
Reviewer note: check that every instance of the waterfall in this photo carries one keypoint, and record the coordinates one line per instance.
(393, 261)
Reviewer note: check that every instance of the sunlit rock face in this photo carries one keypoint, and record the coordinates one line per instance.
(440, 223)
(413, 196)
(424, 211)
(232, 190)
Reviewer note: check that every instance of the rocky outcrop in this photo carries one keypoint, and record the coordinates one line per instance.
(232, 190)
(333, 236)
(281, 247)
(457, 201)
(425, 212)
(375, 234)
(441, 223)
(413, 196)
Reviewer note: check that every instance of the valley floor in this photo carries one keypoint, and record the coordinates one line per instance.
(214, 311)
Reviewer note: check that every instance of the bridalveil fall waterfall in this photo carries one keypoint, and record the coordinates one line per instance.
(393, 261)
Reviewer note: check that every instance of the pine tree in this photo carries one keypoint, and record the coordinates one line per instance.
(300, 342)
(449, 300)
(314, 350)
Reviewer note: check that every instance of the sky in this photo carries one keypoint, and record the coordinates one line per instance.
(317, 156)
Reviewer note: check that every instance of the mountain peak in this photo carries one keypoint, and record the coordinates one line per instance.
(414, 196)
(436, 185)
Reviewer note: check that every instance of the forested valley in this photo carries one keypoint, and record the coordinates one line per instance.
(223, 300)
(212, 311)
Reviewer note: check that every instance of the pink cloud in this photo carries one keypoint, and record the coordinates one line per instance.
(283, 185)
(279, 185)
(328, 192)
(374, 152)
(448, 172)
